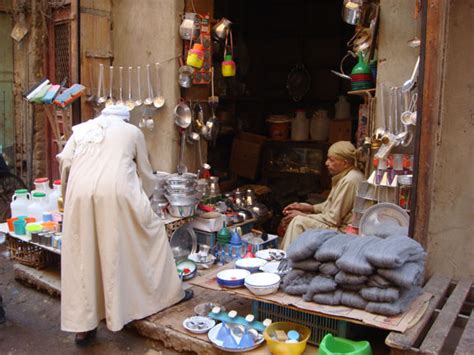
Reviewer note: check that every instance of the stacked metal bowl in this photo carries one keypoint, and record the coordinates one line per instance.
(182, 195)
(159, 201)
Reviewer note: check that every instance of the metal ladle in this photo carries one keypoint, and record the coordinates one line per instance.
(120, 100)
(408, 85)
(110, 100)
(182, 118)
(138, 101)
(101, 86)
(196, 138)
(130, 103)
(159, 100)
(149, 99)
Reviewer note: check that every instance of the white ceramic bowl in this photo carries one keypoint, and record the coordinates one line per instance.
(271, 254)
(272, 267)
(198, 324)
(232, 278)
(250, 264)
(262, 283)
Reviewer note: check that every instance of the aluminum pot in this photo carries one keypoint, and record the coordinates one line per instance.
(173, 190)
(353, 11)
(182, 200)
(186, 180)
(182, 211)
(220, 29)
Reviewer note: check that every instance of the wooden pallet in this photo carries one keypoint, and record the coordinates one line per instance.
(447, 327)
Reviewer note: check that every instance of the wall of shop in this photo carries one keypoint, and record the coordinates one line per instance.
(450, 236)
(147, 34)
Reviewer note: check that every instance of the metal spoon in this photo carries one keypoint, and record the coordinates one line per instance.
(195, 137)
(182, 168)
(138, 101)
(101, 86)
(130, 103)
(120, 100)
(149, 99)
(408, 85)
(110, 100)
(91, 97)
(159, 100)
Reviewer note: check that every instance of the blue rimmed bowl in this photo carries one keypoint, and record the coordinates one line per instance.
(232, 278)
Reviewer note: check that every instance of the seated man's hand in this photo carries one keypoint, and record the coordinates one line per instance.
(290, 215)
(297, 206)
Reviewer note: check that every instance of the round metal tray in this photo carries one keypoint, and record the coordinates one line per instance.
(382, 213)
(183, 242)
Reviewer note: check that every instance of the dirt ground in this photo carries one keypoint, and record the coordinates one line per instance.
(33, 320)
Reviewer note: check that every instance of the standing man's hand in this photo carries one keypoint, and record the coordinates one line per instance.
(297, 206)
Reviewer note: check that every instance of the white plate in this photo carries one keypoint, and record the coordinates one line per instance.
(208, 324)
(382, 213)
(212, 335)
(265, 254)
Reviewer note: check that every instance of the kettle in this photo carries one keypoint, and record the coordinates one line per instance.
(319, 126)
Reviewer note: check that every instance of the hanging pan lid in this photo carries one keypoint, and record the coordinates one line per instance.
(298, 82)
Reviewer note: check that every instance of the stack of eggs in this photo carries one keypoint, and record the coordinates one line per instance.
(361, 76)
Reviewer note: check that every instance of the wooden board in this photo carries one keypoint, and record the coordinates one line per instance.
(466, 344)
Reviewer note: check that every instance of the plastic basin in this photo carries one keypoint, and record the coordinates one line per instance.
(281, 348)
(331, 345)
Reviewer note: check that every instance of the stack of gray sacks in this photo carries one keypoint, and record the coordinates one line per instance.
(380, 274)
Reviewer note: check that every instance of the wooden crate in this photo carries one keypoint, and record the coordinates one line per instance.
(447, 327)
(172, 226)
(29, 254)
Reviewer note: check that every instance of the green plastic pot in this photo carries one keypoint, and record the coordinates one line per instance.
(331, 345)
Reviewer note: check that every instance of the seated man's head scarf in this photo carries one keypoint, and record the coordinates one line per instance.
(344, 150)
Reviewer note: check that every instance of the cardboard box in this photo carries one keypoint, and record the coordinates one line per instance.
(340, 130)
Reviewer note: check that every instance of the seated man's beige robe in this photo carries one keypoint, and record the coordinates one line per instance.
(334, 213)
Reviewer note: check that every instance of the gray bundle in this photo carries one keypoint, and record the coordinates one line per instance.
(308, 264)
(307, 243)
(296, 282)
(328, 298)
(375, 294)
(377, 280)
(387, 229)
(320, 284)
(395, 251)
(353, 259)
(328, 269)
(407, 275)
(394, 308)
(353, 299)
(345, 278)
(351, 287)
(333, 248)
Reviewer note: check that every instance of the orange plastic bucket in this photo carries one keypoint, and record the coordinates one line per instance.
(279, 127)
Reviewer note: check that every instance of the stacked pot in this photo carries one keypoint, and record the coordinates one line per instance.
(182, 195)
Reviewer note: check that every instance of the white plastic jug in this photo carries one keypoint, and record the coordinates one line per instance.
(42, 185)
(21, 199)
(319, 127)
(343, 108)
(53, 197)
(38, 206)
(300, 127)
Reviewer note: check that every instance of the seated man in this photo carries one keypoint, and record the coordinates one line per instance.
(336, 212)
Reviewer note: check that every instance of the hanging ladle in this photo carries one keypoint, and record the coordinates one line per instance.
(120, 100)
(138, 101)
(90, 96)
(159, 100)
(195, 137)
(149, 99)
(110, 100)
(101, 86)
(182, 118)
(130, 103)
(408, 85)
(213, 100)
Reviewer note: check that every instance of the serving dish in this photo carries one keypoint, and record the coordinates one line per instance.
(262, 283)
(232, 278)
(212, 335)
(383, 215)
(203, 309)
(183, 242)
(187, 269)
(198, 324)
(271, 254)
(250, 264)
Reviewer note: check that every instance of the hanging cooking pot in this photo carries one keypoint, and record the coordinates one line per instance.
(220, 30)
(298, 82)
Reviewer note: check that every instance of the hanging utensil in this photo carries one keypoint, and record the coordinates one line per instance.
(110, 100)
(138, 101)
(182, 115)
(120, 100)
(90, 95)
(213, 100)
(130, 103)
(159, 100)
(149, 99)
(182, 168)
(408, 85)
(101, 86)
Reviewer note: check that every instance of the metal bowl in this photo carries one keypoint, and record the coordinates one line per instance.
(183, 200)
(182, 211)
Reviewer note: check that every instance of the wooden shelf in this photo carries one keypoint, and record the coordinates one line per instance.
(365, 94)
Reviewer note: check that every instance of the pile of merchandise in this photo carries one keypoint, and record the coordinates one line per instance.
(378, 274)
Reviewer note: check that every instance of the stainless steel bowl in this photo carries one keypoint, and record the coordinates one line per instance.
(182, 211)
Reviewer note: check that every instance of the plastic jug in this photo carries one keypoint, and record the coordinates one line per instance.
(300, 126)
(21, 199)
(343, 108)
(38, 206)
(54, 196)
(42, 185)
(319, 127)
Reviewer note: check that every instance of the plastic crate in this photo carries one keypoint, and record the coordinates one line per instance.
(319, 326)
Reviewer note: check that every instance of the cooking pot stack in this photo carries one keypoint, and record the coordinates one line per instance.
(182, 194)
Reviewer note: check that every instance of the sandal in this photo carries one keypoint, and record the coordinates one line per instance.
(85, 338)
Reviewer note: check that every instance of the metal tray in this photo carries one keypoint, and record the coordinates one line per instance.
(382, 213)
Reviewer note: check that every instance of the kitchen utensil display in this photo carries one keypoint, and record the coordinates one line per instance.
(138, 101)
(101, 86)
(110, 100)
(120, 100)
(183, 242)
(149, 99)
(298, 82)
(130, 103)
(159, 100)
(408, 85)
(190, 27)
(383, 215)
(221, 28)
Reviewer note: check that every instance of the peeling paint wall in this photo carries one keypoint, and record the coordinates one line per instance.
(145, 34)
(451, 228)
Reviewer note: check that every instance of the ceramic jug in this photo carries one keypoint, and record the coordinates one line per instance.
(319, 127)
(300, 126)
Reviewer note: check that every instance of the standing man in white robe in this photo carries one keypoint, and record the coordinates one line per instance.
(116, 262)
(336, 212)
